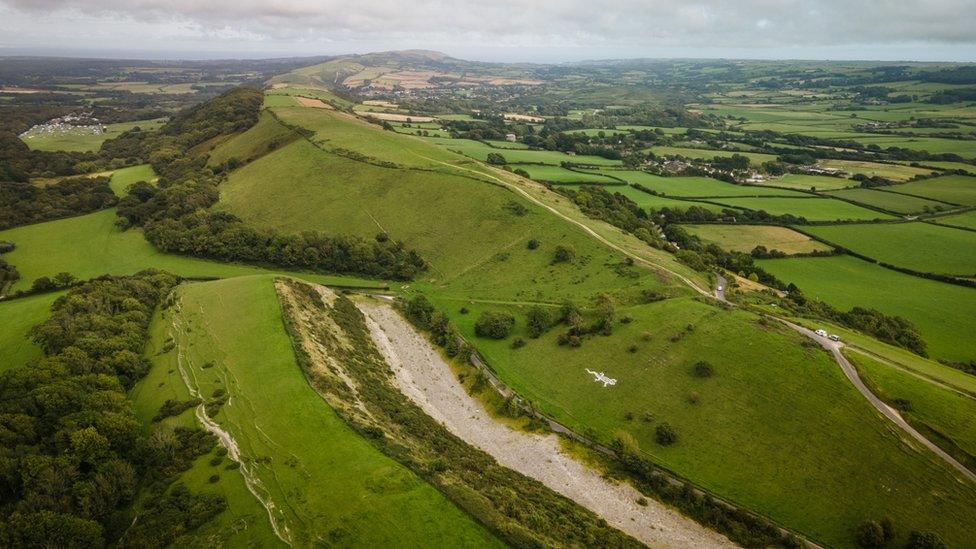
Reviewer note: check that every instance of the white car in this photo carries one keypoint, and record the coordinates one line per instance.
(720, 288)
(821, 332)
(834, 337)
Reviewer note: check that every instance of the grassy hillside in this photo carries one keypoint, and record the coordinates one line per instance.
(940, 311)
(325, 481)
(92, 245)
(267, 135)
(737, 429)
(922, 247)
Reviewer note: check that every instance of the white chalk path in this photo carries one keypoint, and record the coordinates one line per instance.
(423, 376)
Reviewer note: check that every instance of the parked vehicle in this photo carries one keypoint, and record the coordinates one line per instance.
(834, 337)
(821, 332)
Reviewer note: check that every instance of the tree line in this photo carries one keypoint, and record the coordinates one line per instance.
(73, 457)
(24, 203)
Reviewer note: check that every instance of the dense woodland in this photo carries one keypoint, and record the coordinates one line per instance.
(73, 456)
(23, 203)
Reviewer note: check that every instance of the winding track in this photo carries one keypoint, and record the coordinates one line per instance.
(834, 347)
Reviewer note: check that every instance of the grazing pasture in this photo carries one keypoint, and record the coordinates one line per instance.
(265, 136)
(892, 202)
(654, 202)
(480, 151)
(744, 238)
(954, 189)
(922, 247)
(941, 312)
(813, 209)
(687, 152)
(323, 479)
(732, 427)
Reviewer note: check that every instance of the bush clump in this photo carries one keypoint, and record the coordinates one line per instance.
(538, 320)
(494, 325)
(703, 369)
(563, 254)
(665, 435)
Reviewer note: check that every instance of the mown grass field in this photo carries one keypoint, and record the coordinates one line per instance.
(697, 187)
(935, 145)
(940, 311)
(806, 182)
(954, 189)
(19, 316)
(892, 202)
(894, 172)
(737, 429)
(556, 174)
(326, 482)
(654, 202)
(947, 416)
(922, 247)
(91, 245)
(743, 238)
(80, 140)
(813, 209)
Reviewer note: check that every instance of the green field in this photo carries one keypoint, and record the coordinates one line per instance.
(964, 148)
(743, 238)
(263, 137)
(480, 151)
(697, 187)
(942, 312)
(892, 202)
(556, 174)
(81, 140)
(325, 481)
(737, 429)
(92, 245)
(687, 152)
(654, 202)
(123, 178)
(921, 247)
(19, 316)
(954, 189)
(966, 220)
(894, 172)
(813, 209)
(943, 414)
(806, 182)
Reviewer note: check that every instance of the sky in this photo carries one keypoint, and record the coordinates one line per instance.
(495, 30)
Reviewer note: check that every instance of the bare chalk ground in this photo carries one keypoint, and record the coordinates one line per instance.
(423, 376)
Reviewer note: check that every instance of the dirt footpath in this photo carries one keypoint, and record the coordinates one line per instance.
(426, 379)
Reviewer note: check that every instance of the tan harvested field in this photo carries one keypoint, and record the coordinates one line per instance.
(391, 117)
(381, 103)
(387, 79)
(523, 117)
(312, 102)
(743, 238)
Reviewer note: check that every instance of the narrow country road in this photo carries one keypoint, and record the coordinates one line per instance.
(834, 347)
(720, 284)
(846, 366)
(426, 379)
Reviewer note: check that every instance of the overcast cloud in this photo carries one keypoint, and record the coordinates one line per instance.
(531, 30)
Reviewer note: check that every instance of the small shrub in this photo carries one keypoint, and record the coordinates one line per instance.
(648, 417)
(537, 320)
(924, 540)
(518, 343)
(563, 254)
(694, 397)
(382, 237)
(632, 348)
(665, 435)
(626, 319)
(647, 336)
(903, 404)
(496, 159)
(532, 244)
(464, 310)
(642, 501)
(629, 416)
(494, 325)
(214, 478)
(869, 534)
(703, 369)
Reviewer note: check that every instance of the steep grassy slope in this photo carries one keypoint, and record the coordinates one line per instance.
(738, 430)
(267, 135)
(733, 428)
(324, 480)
